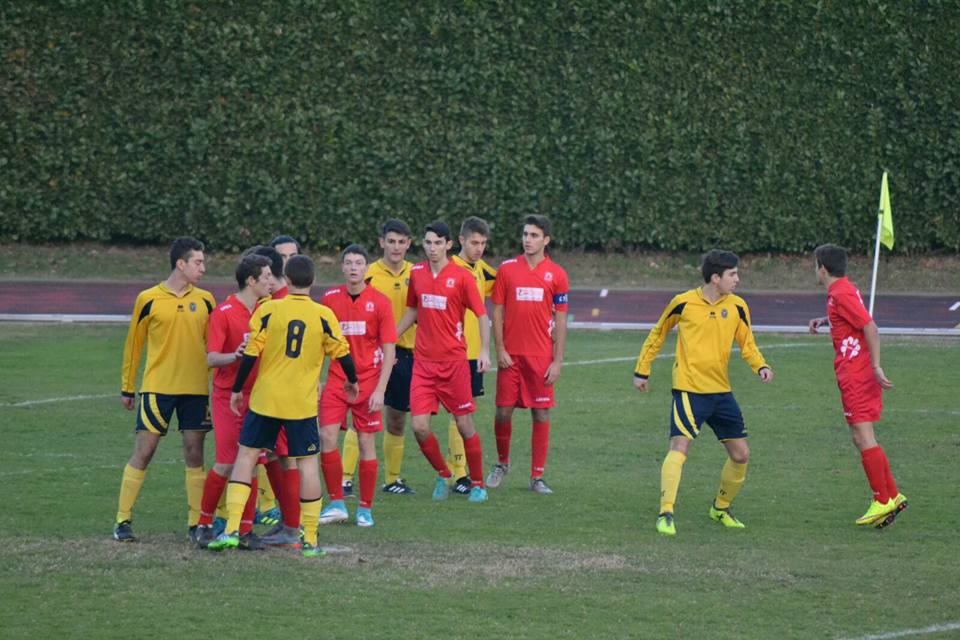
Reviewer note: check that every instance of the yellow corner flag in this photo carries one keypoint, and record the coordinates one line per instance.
(886, 215)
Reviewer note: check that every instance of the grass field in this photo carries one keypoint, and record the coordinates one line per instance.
(583, 563)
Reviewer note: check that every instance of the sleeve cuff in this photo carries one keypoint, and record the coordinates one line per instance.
(640, 375)
(128, 394)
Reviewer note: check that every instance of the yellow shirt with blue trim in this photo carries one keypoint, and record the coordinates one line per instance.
(292, 336)
(394, 286)
(485, 275)
(705, 335)
(174, 329)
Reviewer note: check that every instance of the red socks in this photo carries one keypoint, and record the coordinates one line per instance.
(212, 490)
(246, 522)
(368, 482)
(474, 455)
(539, 443)
(503, 431)
(332, 473)
(290, 505)
(431, 451)
(878, 470)
(891, 485)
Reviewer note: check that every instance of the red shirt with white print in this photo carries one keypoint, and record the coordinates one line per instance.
(367, 323)
(440, 301)
(228, 327)
(530, 297)
(848, 316)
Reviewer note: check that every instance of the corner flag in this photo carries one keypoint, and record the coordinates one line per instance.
(885, 215)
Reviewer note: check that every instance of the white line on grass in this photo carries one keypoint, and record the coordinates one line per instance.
(30, 403)
(936, 628)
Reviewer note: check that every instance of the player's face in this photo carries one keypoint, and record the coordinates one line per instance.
(473, 247)
(819, 271)
(728, 281)
(193, 266)
(263, 285)
(395, 247)
(435, 247)
(534, 242)
(354, 267)
(286, 249)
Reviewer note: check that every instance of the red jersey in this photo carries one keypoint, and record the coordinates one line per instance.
(848, 317)
(229, 325)
(280, 293)
(367, 324)
(440, 301)
(529, 298)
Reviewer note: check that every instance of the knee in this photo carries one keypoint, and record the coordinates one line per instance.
(504, 413)
(540, 415)
(740, 455)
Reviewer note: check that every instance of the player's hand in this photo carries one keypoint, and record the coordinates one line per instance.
(640, 384)
(553, 373)
(352, 389)
(236, 399)
(483, 363)
(881, 378)
(816, 323)
(504, 361)
(766, 374)
(376, 401)
(127, 402)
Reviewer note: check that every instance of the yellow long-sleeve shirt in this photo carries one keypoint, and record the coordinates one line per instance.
(705, 336)
(174, 329)
(485, 275)
(394, 286)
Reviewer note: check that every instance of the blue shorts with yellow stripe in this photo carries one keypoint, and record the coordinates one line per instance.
(156, 410)
(719, 410)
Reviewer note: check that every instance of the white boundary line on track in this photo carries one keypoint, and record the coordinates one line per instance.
(936, 628)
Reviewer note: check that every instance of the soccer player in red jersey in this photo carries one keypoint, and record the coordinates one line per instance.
(530, 330)
(860, 378)
(227, 334)
(439, 294)
(366, 321)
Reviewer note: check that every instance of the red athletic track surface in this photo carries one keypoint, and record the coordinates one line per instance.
(116, 298)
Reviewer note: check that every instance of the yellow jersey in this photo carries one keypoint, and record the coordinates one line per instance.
(485, 275)
(175, 331)
(705, 335)
(394, 286)
(291, 336)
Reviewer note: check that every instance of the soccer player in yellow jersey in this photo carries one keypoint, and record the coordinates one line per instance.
(708, 320)
(291, 336)
(390, 275)
(171, 319)
(474, 233)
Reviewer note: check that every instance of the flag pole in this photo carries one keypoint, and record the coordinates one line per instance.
(876, 261)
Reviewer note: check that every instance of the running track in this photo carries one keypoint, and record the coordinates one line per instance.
(112, 301)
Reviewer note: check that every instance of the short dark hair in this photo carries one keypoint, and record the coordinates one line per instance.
(543, 222)
(284, 240)
(472, 225)
(271, 254)
(355, 249)
(181, 249)
(833, 258)
(299, 271)
(716, 262)
(395, 226)
(440, 228)
(250, 266)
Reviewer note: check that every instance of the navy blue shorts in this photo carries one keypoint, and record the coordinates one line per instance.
(397, 395)
(719, 410)
(260, 432)
(156, 410)
(476, 379)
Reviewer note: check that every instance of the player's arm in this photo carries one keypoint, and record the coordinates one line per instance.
(408, 320)
(389, 358)
(871, 336)
(504, 361)
(816, 323)
(559, 344)
(655, 339)
(748, 346)
(474, 302)
(133, 350)
(216, 341)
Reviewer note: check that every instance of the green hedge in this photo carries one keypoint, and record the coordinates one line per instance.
(673, 125)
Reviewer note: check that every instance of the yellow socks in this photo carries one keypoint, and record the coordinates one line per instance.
(310, 518)
(670, 474)
(456, 459)
(392, 457)
(731, 479)
(265, 498)
(237, 495)
(195, 477)
(351, 454)
(129, 490)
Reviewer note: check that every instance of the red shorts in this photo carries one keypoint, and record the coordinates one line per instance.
(226, 426)
(522, 385)
(446, 383)
(861, 396)
(281, 450)
(333, 406)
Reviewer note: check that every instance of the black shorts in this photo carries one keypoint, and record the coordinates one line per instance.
(156, 410)
(397, 395)
(476, 379)
(260, 432)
